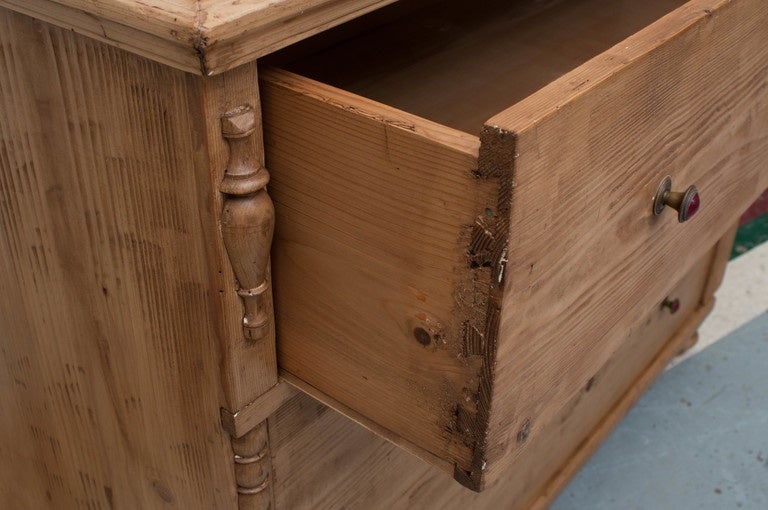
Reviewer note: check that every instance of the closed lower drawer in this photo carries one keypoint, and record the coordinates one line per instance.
(455, 292)
(543, 467)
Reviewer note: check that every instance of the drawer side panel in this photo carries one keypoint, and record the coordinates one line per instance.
(109, 361)
(374, 280)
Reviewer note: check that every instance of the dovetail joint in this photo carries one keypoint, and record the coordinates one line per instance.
(488, 259)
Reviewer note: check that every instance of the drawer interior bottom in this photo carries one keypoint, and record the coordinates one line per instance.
(456, 64)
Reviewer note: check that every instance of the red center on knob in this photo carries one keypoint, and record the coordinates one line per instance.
(693, 206)
(686, 203)
(672, 304)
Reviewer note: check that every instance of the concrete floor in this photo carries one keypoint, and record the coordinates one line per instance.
(742, 296)
(699, 438)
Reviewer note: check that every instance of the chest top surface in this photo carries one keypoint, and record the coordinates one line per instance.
(200, 36)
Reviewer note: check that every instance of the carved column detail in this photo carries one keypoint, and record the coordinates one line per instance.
(253, 469)
(248, 219)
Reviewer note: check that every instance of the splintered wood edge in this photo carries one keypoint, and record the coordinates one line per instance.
(495, 162)
(499, 140)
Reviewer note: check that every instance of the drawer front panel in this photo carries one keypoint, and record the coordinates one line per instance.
(686, 97)
(644, 348)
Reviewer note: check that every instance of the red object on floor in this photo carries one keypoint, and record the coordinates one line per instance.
(759, 208)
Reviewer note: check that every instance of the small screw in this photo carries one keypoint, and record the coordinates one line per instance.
(502, 266)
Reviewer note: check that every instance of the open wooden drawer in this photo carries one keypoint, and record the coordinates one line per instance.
(455, 292)
(346, 468)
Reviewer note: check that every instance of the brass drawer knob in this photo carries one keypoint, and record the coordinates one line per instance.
(686, 203)
(672, 304)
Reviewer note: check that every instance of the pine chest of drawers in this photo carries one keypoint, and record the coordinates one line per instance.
(489, 231)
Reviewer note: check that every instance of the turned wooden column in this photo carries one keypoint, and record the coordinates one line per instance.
(253, 469)
(243, 219)
(247, 224)
(247, 220)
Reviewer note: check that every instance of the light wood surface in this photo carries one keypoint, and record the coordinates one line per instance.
(544, 251)
(367, 245)
(199, 36)
(324, 460)
(110, 382)
(610, 420)
(458, 295)
(584, 423)
(240, 252)
(629, 119)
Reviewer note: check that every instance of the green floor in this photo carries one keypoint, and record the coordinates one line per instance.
(750, 235)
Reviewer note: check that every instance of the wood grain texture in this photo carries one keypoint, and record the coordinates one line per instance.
(336, 405)
(373, 218)
(565, 259)
(253, 469)
(581, 425)
(425, 332)
(199, 36)
(158, 30)
(720, 257)
(610, 420)
(324, 460)
(238, 32)
(685, 97)
(110, 380)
